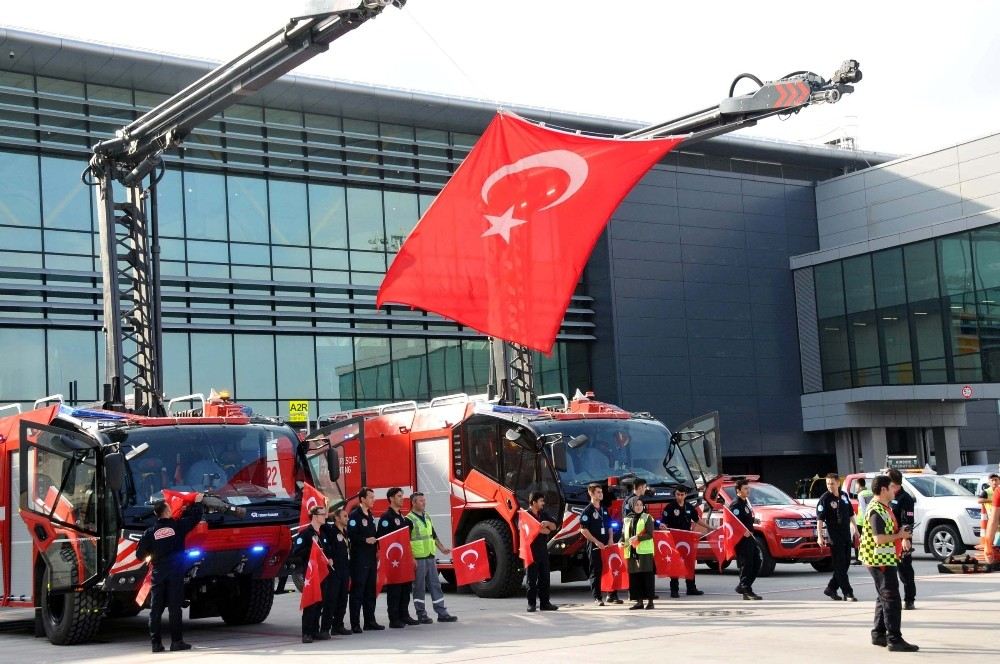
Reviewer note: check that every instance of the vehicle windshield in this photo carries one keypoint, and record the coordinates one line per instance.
(245, 464)
(935, 486)
(762, 495)
(617, 447)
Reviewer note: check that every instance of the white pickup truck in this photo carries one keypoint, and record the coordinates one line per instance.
(946, 515)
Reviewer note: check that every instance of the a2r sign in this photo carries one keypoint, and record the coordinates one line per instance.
(298, 411)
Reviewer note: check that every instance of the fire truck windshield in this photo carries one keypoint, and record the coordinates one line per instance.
(618, 447)
(244, 464)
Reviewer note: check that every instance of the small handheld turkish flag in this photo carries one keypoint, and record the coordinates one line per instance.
(614, 576)
(471, 563)
(316, 571)
(311, 497)
(502, 247)
(527, 530)
(178, 501)
(395, 557)
(669, 562)
(735, 532)
(686, 545)
(717, 542)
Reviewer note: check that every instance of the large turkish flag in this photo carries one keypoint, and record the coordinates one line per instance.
(669, 561)
(614, 576)
(395, 557)
(316, 571)
(735, 532)
(502, 247)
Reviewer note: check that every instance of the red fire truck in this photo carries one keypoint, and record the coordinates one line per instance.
(477, 461)
(84, 482)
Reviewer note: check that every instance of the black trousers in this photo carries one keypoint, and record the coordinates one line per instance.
(641, 586)
(397, 601)
(310, 618)
(905, 570)
(675, 585)
(748, 559)
(334, 599)
(167, 593)
(363, 593)
(538, 580)
(596, 569)
(840, 552)
(888, 608)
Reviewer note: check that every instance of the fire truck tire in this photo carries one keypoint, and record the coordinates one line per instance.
(70, 618)
(251, 603)
(767, 561)
(506, 579)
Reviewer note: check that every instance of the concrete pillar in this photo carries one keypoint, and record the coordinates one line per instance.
(846, 463)
(946, 449)
(873, 448)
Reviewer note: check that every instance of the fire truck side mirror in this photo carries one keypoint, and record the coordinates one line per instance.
(559, 455)
(114, 470)
(333, 463)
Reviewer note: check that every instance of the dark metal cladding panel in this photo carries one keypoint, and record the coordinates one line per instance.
(805, 307)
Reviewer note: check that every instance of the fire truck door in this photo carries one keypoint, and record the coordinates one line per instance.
(433, 465)
(698, 441)
(20, 541)
(70, 511)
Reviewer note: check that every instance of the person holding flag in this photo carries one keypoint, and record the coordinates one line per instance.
(745, 545)
(595, 526)
(162, 546)
(681, 515)
(397, 595)
(423, 541)
(338, 585)
(637, 540)
(313, 546)
(361, 530)
(535, 551)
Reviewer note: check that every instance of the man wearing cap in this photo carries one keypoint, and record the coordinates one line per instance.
(397, 595)
(682, 515)
(423, 541)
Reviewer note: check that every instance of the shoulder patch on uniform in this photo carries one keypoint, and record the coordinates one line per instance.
(819, 508)
(736, 511)
(164, 532)
(584, 518)
(364, 522)
(385, 523)
(298, 540)
(352, 523)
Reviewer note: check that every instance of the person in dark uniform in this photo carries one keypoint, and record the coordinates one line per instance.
(361, 530)
(639, 489)
(338, 582)
(315, 533)
(595, 526)
(903, 507)
(163, 546)
(834, 509)
(682, 515)
(539, 570)
(397, 595)
(747, 552)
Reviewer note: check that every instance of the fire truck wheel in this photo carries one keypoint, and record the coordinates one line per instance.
(70, 618)
(767, 562)
(250, 604)
(506, 578)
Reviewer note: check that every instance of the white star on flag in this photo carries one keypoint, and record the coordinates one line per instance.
(503, 224)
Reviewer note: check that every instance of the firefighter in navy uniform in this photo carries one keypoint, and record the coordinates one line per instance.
(682, 515)
(361, 529)
(595, 526)
(903, 508)
(747, 551)
(163, 545)
(834, 510)
(338, 582)
(397, 595)
(315, 534)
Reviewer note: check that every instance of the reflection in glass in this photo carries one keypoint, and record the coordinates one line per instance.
(65, 199)
(19, 189)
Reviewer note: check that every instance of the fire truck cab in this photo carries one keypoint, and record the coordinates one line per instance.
(477, 461)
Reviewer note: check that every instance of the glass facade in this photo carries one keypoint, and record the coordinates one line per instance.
(922, 313)
(276, 227)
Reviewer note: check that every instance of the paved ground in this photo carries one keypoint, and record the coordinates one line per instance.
(955, 620)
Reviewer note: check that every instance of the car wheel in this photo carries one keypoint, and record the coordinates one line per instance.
(944, 541)
(767, 562)
(825, 565)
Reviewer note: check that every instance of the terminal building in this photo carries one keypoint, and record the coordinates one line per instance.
(833, 305)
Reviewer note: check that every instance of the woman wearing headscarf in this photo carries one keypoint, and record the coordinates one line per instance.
(637, 538)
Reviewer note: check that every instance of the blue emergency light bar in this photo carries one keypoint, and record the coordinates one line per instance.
(257, 548)
(194, 553)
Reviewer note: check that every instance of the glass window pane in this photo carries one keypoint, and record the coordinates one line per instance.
(250, 254)
(475, 366)
(895, 331)
(72, 356)
(964, 334)
(956, 264)
(205, 205)
(19, 199)
(364, 217)
(254, 366)
(20, 239)
(445, 366)
(67, 242)
(989, 334)
(296, 367)
(290, 256)
(859, 291)
(829, 290)
(401, 215)
(482, 448)
(329, 259)
(211, 362)
(928, 331)
(986, 252)
(208, 252)
(372, 369)
(65, 199)
(247, 209)
(409, 359)
(335, 366)
(834, 355)
(289, 218)
(921, 271)
(170, 203)
(22, 372)
(176, 363)
(327, 216)
(890, 288)
(864, 343)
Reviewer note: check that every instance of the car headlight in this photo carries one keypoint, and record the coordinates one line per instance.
(787, 524)
(974, 512)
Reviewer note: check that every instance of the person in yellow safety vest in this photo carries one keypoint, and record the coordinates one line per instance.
(986, 496)
(864, 497)
(423, 541)
(879, 534)
(637, 537)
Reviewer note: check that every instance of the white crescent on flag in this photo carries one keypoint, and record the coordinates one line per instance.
(475, 559)
(663, 543)
(687, 547)
(394, 545)
(567, 161)
(613, 557)
(728, 530)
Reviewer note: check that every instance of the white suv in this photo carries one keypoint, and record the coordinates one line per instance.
(946, 515)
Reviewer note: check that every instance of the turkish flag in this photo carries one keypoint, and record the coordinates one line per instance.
(147, 585)
(178, 501)
(471, 563)
(717, 541)
(316, 571)
(669, 561)
(735, 532)
(614, 576)
(528, 529)
(686, 544)
(395, 557)
(502, 246)
(311, 497)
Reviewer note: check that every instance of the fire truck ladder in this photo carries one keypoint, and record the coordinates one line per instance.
(511, 364)
(127, 221)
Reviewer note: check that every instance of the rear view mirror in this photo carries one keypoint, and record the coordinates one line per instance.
(333, 463)
(114, 470)
(578, 441)
(559, 456)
